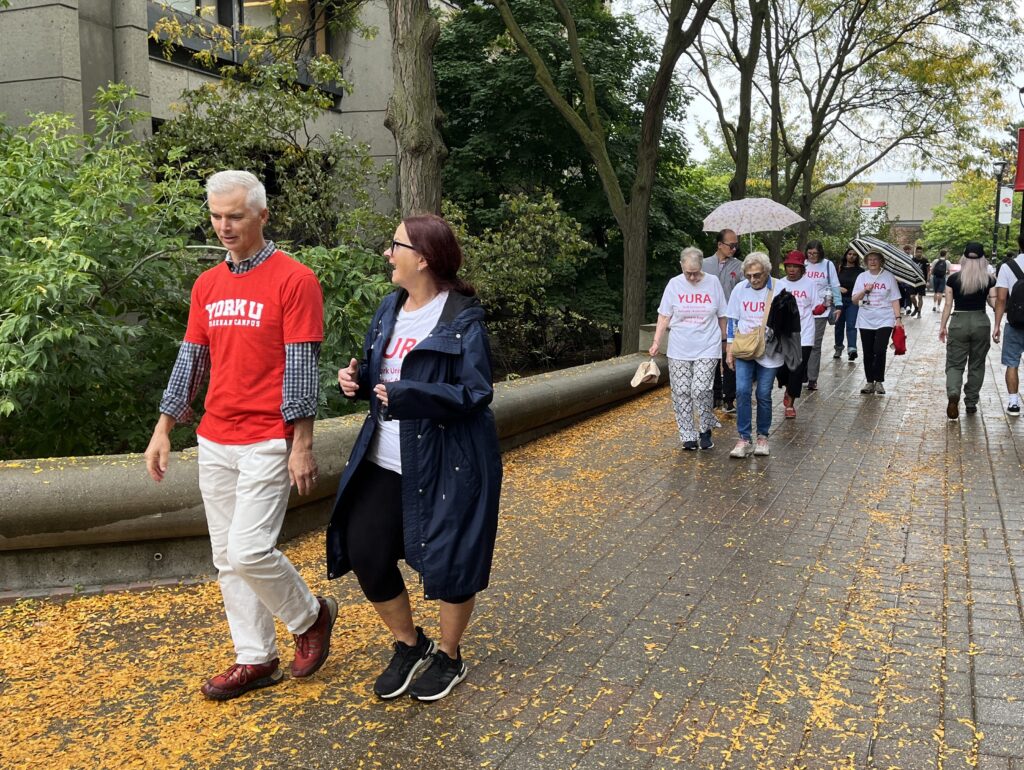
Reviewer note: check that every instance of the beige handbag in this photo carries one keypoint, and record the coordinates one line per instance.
(648, 371)
(750, 345)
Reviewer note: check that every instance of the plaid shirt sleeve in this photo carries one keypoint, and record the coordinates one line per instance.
(301, 390)
(190, 369)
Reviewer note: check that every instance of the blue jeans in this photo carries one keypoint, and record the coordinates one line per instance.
(746, 371)
(847, 324)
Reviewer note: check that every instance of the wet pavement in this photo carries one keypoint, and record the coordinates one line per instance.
(851, 601)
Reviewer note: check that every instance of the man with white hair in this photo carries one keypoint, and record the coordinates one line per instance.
(255, 326)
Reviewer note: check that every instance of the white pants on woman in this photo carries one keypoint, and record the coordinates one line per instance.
(245, 492)
(693, 384)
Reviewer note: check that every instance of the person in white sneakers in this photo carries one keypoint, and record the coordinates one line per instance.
(1013, 338)
(746, 311)
(255, 325)
(878, 298)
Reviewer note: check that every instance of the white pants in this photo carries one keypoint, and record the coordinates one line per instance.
(245, 492)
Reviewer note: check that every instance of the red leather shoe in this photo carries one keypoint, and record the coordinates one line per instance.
(314, 645)
(787, 401)
(790, 412)
(240, 678)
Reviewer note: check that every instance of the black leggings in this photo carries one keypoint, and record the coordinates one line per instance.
(793, 379)
(875, 342)
(375, 535)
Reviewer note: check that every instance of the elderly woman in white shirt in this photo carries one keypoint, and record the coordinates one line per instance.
(693, 308)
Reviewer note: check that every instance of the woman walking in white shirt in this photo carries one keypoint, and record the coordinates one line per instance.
(825, 277)
(878, 298)
(693, 307)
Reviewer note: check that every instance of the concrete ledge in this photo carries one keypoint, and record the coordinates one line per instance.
(86, 520)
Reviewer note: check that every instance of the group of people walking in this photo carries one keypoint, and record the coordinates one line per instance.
(424, 476)
(787, 320)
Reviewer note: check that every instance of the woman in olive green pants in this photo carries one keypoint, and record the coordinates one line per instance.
(967, 341)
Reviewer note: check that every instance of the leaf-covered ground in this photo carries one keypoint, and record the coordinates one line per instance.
(851, 601)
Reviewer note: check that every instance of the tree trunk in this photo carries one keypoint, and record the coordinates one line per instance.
(634, 276)
(413, 116)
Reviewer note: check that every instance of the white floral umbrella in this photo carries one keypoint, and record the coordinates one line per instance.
(751, 215)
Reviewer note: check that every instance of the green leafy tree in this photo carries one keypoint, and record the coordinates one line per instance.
(93, 281)
(967, 215)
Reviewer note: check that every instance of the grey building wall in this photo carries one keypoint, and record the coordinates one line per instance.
(911, 202)
(54, 55)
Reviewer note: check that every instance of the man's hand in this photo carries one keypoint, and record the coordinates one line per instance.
(159, 448)
(301, 464)
(347, 379)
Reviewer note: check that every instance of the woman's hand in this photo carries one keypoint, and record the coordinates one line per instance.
(653, 349)
(843, 290)
(942, 334)
(729, 360)
(347, 379)
(380, 390)
(839, 312)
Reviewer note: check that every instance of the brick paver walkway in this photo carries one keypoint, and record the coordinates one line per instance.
(851, 601)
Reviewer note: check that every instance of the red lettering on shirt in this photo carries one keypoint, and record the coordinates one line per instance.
(753, 307)
(400, 346)
(695, 299)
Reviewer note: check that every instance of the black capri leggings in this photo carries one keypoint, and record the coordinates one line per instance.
(374, 533)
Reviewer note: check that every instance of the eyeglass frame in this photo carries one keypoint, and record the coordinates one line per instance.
(395, 243)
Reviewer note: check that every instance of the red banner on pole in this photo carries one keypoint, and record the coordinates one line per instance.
(1018, 182)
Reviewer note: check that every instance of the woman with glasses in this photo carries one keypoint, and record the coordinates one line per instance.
(423, 480)
(822, 273)
(746, 311)
(693, 309)
(849, 269)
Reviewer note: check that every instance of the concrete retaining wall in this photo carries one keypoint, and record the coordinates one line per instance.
(74, 521)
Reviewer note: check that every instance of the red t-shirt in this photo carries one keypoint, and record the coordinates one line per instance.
(246, 320)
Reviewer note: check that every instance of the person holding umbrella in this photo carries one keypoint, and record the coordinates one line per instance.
(878, 299)
(967, 341)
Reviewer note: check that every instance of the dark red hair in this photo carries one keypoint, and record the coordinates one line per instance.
(433, 238)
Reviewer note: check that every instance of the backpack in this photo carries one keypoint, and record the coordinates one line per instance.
(940, 267)
(1015, 302)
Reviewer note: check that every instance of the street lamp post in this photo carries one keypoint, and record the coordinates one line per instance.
(998, 167)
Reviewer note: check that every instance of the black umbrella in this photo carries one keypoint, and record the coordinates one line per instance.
(896, 261)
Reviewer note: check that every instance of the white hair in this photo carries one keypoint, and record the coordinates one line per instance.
(691, 256)
(758, 258)
(227, 181)
(973, 275)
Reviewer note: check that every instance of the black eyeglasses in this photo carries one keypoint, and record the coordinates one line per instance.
(735, 245)
(395, 243)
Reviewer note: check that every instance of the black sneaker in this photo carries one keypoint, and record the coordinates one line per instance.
(730, 407)
(839, 352)
(705, 440)
(405, 664)
(971, 408)
(690, 446)
(1013, 410)
(853, 355)
(440, 679)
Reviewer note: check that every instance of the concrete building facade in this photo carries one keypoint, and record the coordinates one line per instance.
(55, 54)
(908, 205)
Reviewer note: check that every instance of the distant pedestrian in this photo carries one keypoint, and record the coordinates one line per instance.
(724, 265)
(968, 340)
(424, 476)
(878, 298)
(748, 309)
(693, 309)
(255, 326)
(1010, 274)
(846, 327)
(939, 271)
(823, 274)
(918, 292)
(808, 303)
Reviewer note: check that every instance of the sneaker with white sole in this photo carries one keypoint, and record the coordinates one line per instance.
(705, 440)
(1013, 409)
(742, 449)
(440, 679)
(405, 664)
(869, 387)
(761, 447)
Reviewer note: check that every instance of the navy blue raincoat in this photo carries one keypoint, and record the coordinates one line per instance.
(451, 464)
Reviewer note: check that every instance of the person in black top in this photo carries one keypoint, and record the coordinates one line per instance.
(940, 267)
(968, 340)
(849, 269)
